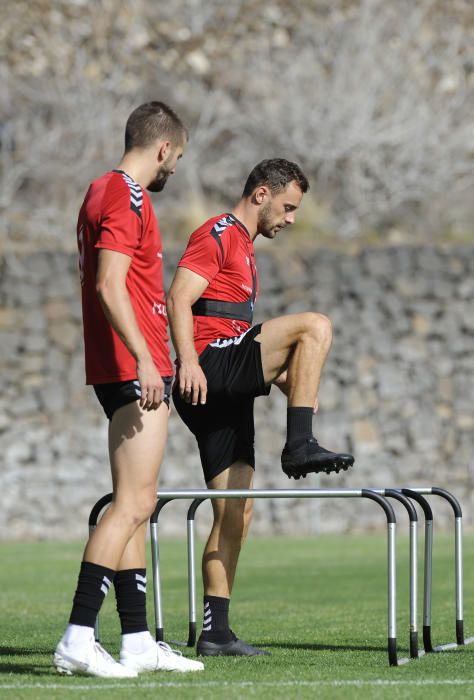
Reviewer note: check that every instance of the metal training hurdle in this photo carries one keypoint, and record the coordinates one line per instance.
(380, 496)
(418, 494)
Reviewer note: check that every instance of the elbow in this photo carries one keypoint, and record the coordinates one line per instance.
(106, 290)
(177, 305)
(101, 289)
(171, 304)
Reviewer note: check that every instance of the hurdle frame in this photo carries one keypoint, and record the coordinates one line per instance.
(166, 496)
(417, 493)
(401, 494)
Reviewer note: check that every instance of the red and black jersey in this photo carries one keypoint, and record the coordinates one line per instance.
(117, 214)
(222, 252)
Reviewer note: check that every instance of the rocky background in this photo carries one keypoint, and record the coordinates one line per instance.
(375, 100)
(397, 388)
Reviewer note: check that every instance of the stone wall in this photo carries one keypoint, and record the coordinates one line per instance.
(397, 390)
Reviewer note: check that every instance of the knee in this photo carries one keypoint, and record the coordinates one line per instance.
(319, 327)
(148, 505)
(139, 510)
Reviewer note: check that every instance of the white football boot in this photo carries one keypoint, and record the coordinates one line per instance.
(89, 660)
(159, 657)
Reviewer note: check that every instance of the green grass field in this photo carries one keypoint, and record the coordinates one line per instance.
(318, 604)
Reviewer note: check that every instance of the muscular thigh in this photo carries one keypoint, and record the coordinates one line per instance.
(137, 441)
(278, 338)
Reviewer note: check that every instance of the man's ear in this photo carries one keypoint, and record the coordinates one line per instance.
(260, 194)
(164, 149)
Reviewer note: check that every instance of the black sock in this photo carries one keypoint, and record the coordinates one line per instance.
(92, 586)
(299, 423)
(130, 592)
(215, 626)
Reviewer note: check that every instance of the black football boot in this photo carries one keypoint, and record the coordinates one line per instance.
(307, 456)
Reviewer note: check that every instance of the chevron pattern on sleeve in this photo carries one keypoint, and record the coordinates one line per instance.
(136, 195)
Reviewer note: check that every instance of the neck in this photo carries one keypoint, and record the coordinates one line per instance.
(246, 212)
(136, 168)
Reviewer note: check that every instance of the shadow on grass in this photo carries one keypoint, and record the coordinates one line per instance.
(19, 666)
(26, 669)
(24, 651)
(323, 647)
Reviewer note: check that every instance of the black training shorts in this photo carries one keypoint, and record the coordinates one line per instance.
(224, 426)
(117, 394)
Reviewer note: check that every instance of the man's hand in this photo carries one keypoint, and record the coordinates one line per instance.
(151, 384)
(192, 383)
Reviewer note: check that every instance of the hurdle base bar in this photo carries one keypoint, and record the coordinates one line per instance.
(445, 647)
(452, 645)
(449, 646)
(460, 640)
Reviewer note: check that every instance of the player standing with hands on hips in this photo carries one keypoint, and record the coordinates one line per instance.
(224, 363)
(128, 364)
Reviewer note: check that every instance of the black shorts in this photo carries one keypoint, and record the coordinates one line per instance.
(117, 394)
(224, 426)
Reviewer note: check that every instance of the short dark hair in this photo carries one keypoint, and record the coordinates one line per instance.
(276, 174)
(152, 121)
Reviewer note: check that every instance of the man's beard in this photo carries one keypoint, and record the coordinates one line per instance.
(160, 180)
(265, 224)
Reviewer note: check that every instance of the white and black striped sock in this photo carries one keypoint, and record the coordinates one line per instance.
(92, 586)
(216, 619)
(130, 592)
(207, 619)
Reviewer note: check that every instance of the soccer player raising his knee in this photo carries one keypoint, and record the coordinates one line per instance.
(224, 362)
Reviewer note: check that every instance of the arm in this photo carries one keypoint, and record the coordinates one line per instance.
(185, 289)
(113, 295)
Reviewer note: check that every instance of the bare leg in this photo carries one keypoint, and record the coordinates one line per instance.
(134, 556)
(231, 523)
(298, 343)
(136, 445)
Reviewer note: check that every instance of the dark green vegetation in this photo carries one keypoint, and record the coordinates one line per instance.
(318, 604)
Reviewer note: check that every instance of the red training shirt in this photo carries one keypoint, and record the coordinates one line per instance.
(117, 214)
(221, 250)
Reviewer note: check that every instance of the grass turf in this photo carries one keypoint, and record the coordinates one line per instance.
(318, 604)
